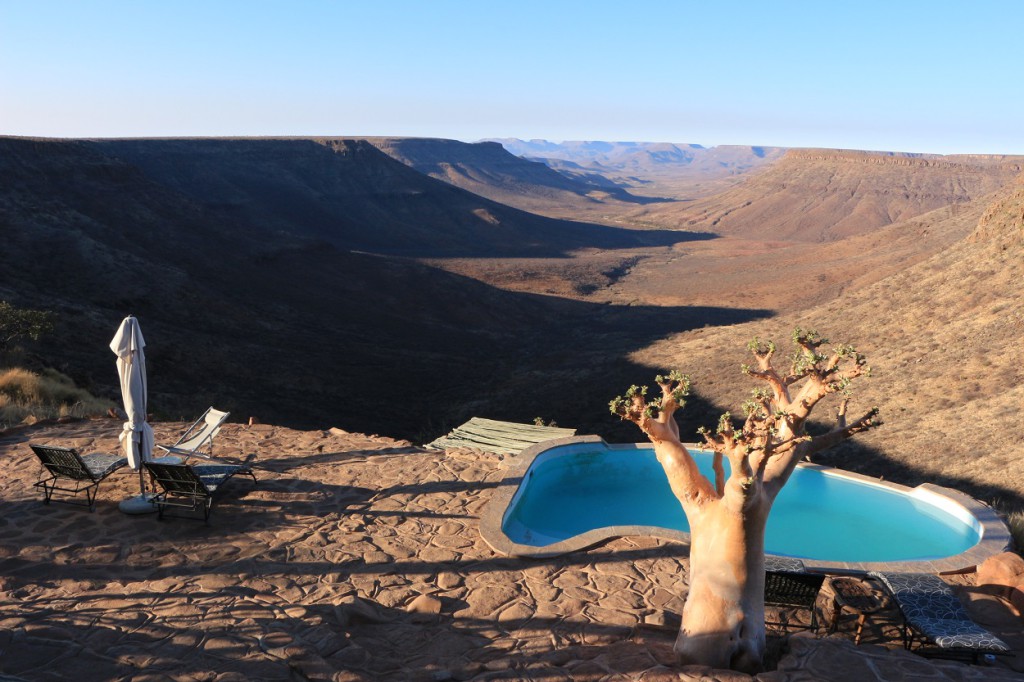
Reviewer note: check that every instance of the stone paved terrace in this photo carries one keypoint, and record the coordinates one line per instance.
(355, 558)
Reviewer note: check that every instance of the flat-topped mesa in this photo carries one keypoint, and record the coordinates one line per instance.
(1007, 163)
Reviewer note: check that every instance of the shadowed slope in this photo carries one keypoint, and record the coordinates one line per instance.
(284, 326)
(352, 195)
(485, 168)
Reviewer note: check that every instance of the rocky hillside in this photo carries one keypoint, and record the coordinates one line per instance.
(944, 341)
(1003, 222)
(824, 195)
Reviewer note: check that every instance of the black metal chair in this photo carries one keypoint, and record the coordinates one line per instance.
(787, 583)
(191, 487)
(67, 472)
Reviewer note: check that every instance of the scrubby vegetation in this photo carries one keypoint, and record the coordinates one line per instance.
(27, 396)
(18, 323)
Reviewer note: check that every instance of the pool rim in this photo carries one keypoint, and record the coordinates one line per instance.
(994, 534)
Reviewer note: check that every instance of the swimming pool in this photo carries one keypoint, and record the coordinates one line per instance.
(583, 490)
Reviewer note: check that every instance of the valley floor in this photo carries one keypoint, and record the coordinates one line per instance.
(354, 558)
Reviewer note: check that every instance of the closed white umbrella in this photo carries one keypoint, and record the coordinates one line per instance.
(137, 435)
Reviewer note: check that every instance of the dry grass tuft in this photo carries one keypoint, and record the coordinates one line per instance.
(1015, 520)
(28, 397)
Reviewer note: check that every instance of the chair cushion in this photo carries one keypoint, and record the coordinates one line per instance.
(963, 634)
(921, 595)
(783, 564)
(214, 475)
(102, 464)
(930, 606)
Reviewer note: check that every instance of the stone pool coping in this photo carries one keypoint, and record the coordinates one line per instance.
(995, 535)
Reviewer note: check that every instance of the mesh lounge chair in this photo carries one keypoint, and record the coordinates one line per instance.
(787, 583)
(191, 487)
(69, 473)
(935, 620)
(197, 441)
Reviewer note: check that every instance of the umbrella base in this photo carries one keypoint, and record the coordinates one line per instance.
(140, 504)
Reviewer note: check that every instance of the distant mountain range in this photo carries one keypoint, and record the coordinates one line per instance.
(637, 159)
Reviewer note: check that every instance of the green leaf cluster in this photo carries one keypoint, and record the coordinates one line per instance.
(16, 323)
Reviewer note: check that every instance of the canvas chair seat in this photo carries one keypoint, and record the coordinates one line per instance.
(197, 440)
(69, 473)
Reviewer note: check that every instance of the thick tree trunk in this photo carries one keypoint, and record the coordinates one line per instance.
(723, 617)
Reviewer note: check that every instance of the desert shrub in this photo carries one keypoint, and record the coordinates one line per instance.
(18, 323)
(27, 396)
(1015, 520)
(1013, 515)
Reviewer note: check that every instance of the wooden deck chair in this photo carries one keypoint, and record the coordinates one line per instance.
(197, 441)
(191, 487)
(787, 583)
(69, 473)
(934, 620)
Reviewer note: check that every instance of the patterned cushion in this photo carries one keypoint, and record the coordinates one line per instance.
(782, 564)
(930, 606)
(958, 634)
(214, 475)
(102, 464)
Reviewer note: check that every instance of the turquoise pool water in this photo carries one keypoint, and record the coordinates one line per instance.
(819, 515)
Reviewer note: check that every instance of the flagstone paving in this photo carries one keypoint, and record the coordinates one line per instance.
(354, 558)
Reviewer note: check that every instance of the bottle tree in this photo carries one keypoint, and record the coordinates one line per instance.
(723, 615)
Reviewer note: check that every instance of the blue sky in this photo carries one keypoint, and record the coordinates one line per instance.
(941, 77)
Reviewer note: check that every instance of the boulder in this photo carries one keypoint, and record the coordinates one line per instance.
(1002, 569)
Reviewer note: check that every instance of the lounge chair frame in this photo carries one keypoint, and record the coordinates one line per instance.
(71, 473)
(199, 436)
(189, 487)
(787, 583)
(934, 622)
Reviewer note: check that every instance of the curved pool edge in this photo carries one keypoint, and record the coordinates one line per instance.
(995, 535)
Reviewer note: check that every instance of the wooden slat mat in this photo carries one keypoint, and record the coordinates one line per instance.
(489, 435)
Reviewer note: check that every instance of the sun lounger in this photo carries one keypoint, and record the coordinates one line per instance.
(67, 472)
(191, 487)
(197, 441)
(934, 619)
(787, 583)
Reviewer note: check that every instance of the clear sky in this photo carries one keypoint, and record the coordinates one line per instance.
(901, 75)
